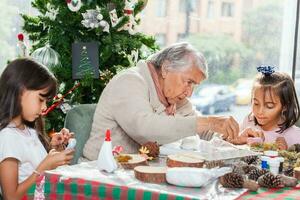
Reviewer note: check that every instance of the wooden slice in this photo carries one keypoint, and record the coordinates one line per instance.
(185, 160)
(151, 174)
(297, 173)
(136, 160)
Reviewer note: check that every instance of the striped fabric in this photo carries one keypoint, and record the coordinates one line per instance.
(80, 189)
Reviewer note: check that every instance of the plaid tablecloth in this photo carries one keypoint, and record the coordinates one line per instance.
(84, 181)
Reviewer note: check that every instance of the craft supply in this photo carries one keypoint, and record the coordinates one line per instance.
(106, 160)
(150, 174)
(274, 165)
(185, 160)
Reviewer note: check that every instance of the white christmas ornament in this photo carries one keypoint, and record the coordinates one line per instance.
(106, 160)
(128, 11)
(74, 5)
(46, 56)
(51, 12)
(94, 19)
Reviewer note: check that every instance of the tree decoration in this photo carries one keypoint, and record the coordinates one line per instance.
(74, 5)
(46, 56)
(128, 12)
(114, 52)
(22, 48)
(51, 12)
(94, 19)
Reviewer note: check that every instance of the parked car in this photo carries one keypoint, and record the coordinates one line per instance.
(213, 98)
(242, 89)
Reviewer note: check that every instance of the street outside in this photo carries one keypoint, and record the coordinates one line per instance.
(238, 112)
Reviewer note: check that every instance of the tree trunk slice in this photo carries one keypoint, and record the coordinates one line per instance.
(185, 160)
(151, 174)
(297, 173)
(137, 160)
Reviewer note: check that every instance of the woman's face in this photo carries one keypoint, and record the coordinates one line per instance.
(33, 103)
(180, 84)
(266, 107)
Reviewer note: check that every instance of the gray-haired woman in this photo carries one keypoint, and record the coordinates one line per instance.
(149, 103)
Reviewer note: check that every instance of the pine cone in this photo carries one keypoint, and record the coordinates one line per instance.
(232, 180)
(256, 173)
(249, 168)
(288, 181)
(153, 149)
(294, 147)
(250, 160)
(270, 180)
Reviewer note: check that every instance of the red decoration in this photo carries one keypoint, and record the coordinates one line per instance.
(54, 105)
(128, 12)
(68, 1)
(20, 37)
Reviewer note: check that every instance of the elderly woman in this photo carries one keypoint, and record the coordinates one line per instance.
(149, 103)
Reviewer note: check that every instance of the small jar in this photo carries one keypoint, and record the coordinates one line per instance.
(281, 160)
(274, 165)
(264, 162)
(271, 154)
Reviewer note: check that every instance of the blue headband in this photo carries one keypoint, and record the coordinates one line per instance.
(266, 70)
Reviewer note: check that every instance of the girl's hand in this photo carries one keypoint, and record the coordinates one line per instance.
(60, 140)
(55, 159)
(281, 143)
(245, 134)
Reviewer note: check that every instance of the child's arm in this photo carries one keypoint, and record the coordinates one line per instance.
(9, 173)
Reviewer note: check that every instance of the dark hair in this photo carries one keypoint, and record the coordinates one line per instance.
(23, 74)
(283, 86)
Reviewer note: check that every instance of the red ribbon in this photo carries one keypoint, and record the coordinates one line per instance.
(54, 105)
(128, 12)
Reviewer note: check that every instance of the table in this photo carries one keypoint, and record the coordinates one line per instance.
(84, 181)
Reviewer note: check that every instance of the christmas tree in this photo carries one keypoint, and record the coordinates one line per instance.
(85, 66)
(111, 23)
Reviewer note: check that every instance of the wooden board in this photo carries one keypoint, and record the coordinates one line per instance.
(137, 160)
(184, 160)
(151, 174)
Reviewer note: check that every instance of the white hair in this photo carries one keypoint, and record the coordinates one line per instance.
(179, 57)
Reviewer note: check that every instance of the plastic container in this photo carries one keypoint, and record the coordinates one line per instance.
(281, 160)
(106, 160)
(274, 164)
(264, 162)
(271, 154)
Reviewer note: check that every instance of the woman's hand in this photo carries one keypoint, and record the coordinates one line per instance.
(55, 159)
(245, 134)
(60, 140)
(227, 126)
(281, 143)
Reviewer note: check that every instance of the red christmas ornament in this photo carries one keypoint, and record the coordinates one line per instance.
(68, 1)
(20, 37)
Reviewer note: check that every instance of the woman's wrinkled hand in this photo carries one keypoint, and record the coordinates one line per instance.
(227, 126)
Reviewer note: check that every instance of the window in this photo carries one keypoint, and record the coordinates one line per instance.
(161, 8)
(227, 9)
(188, 5)
(210, 10)
(161, 39)
(262, 33)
